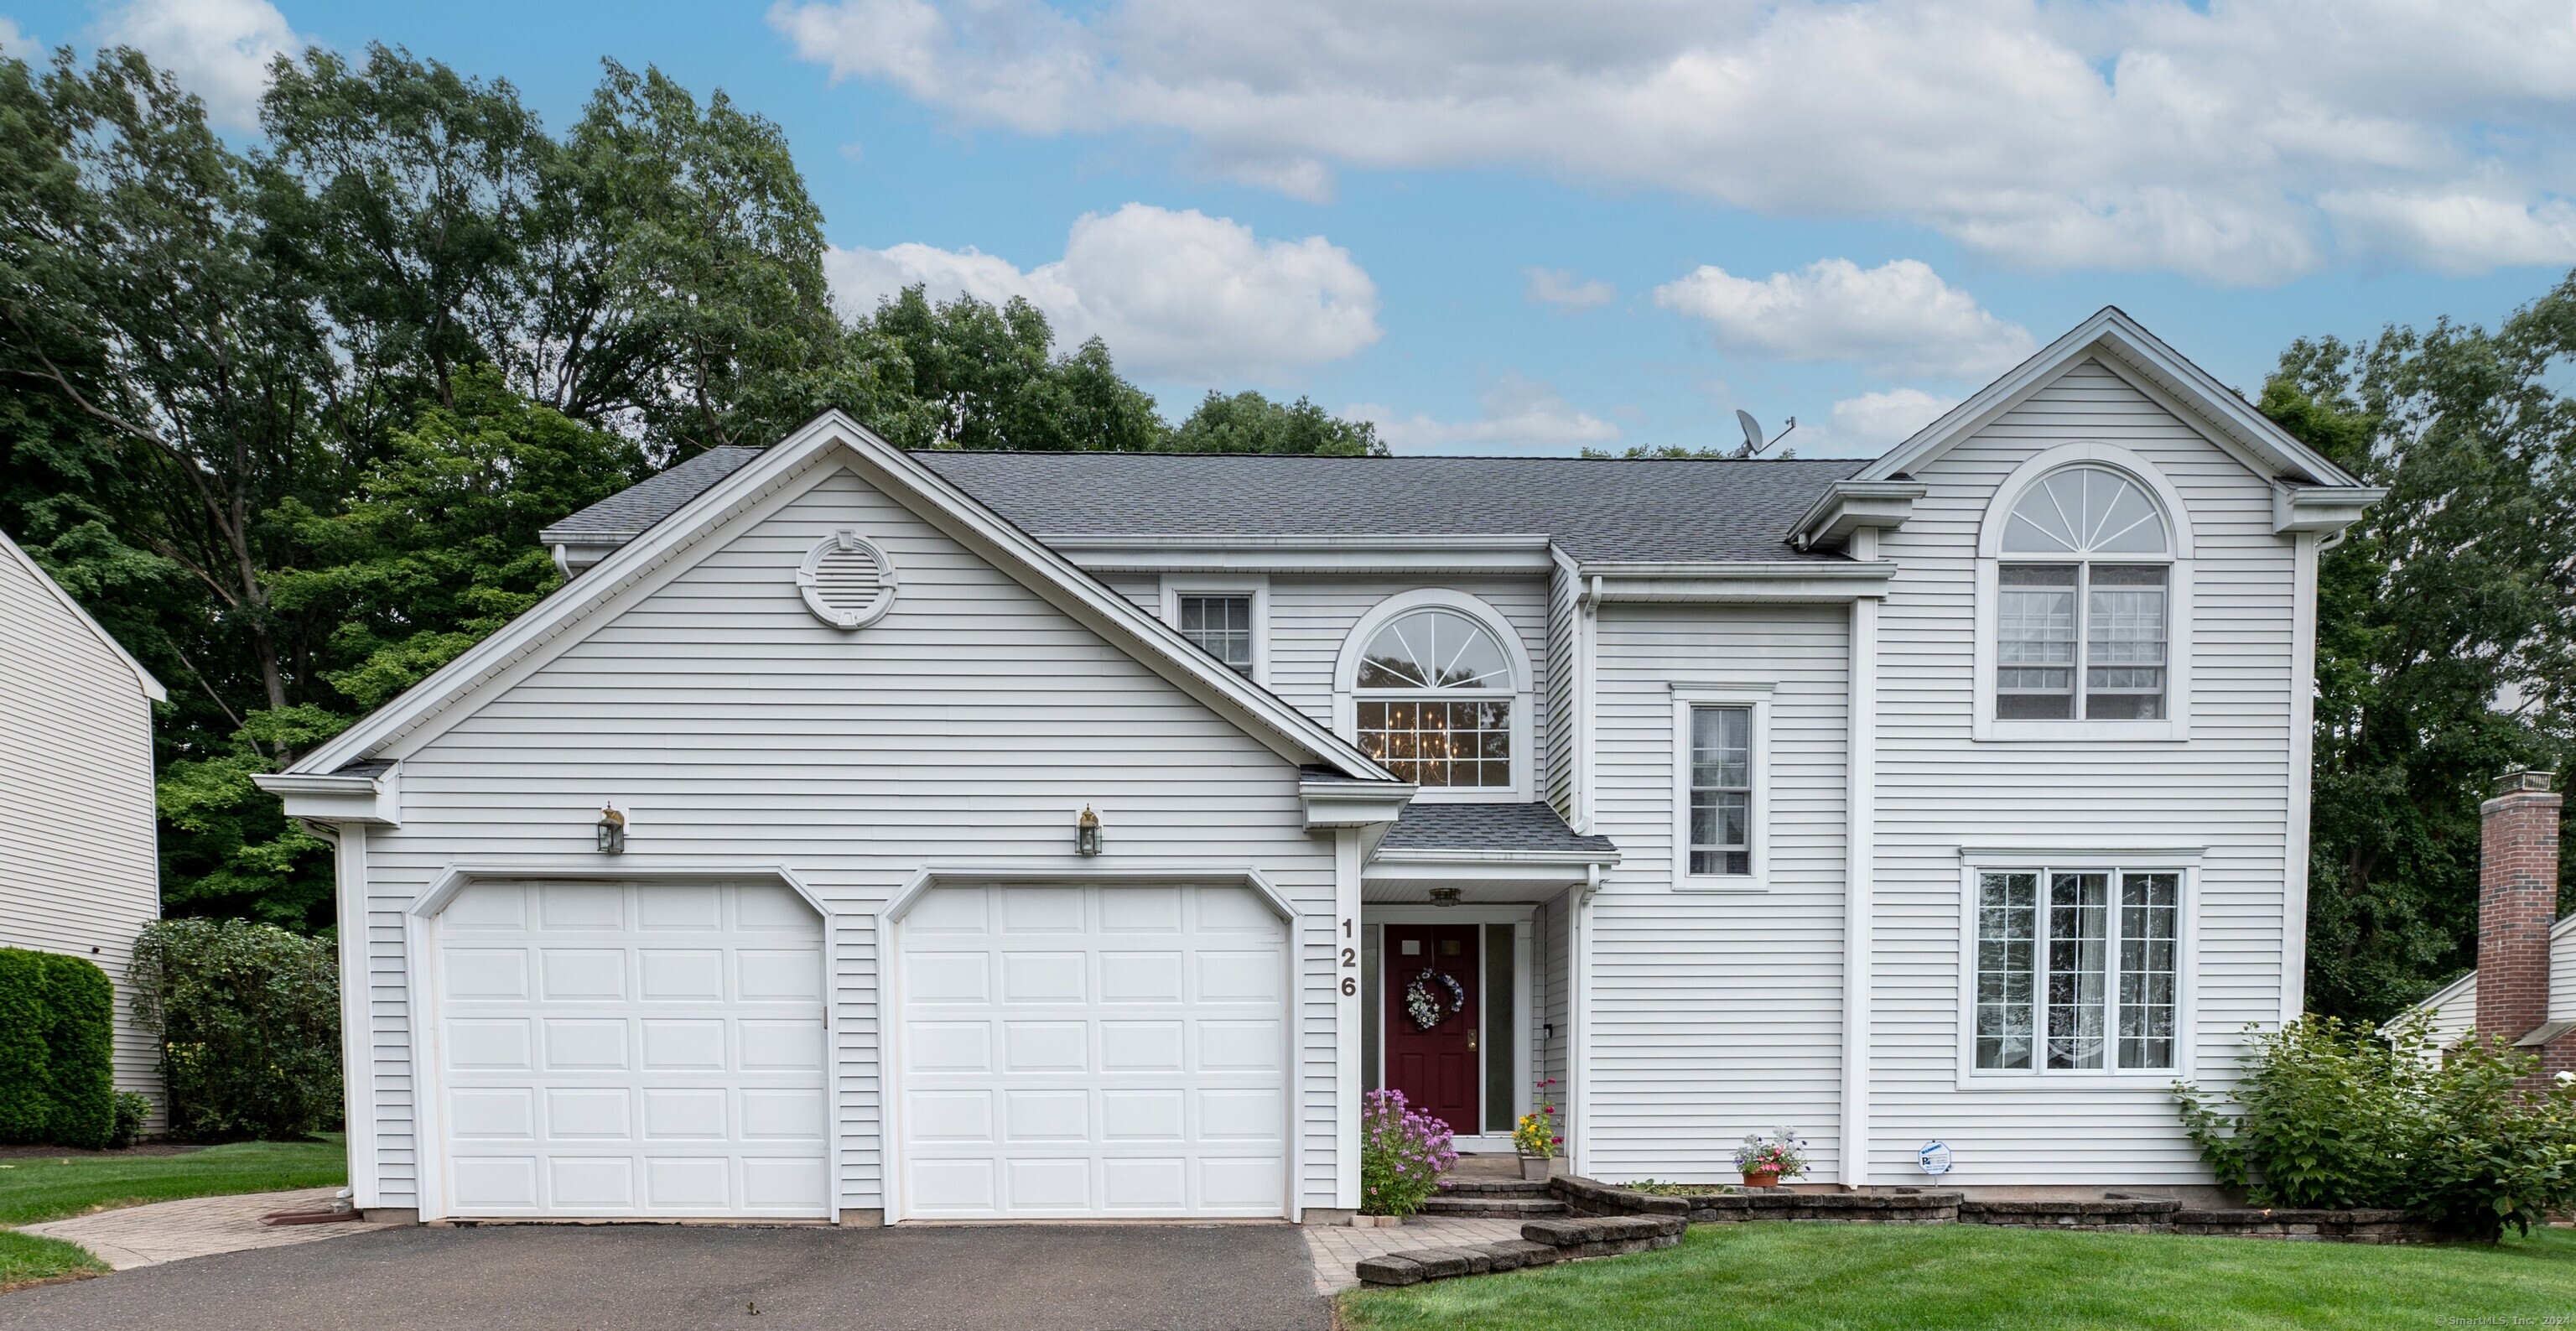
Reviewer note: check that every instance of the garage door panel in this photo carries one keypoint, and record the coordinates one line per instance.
(1076, 1083)
(581, 906)
(639, 1076)
(487, 906)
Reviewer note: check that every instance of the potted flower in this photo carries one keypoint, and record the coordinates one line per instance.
(1402, 1156)
(1537, 1137)
(1764, 1161)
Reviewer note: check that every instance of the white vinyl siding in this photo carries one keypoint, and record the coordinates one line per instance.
(972, 724)
(1714, 1015)
(2225, 790)
(79, 867)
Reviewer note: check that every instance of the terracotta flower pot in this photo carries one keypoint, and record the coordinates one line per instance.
(1534, 1168)
(1765, 1178)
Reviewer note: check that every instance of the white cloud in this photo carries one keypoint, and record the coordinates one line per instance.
(1875, 422)
(15, 42)
(1176, 295)
(1899, 317)
(219, 49)
(1561, 288)
(2460, 233)
(2149, 134)
(1519, 414)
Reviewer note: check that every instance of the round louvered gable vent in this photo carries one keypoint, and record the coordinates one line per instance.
(847, 581)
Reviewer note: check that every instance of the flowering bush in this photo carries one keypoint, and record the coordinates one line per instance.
(1781, 1153)
(1402, 1155)
(1536, 1133)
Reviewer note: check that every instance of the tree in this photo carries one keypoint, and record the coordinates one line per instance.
(1247, 422)
(2446, 625)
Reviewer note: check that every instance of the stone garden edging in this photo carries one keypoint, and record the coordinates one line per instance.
(1608, 1221)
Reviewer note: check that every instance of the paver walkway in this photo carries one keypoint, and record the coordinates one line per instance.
(134, 1236)
(1338, 1250)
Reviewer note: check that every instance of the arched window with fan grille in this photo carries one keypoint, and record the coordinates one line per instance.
(1435, 689)
(848, 582)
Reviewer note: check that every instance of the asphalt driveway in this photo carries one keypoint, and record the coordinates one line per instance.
(612, 1277)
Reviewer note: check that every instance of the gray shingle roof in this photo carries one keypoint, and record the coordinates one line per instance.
(1597, 510)
(631, 512)
(1488, 827)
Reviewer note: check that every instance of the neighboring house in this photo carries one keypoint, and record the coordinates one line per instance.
(2523, 991)
(80, 869)
(1080, 835)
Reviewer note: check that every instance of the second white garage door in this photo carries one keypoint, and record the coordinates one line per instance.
(1093, 1051)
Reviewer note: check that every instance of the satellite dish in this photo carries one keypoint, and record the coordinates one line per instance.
(1754, 443)
(1752, 429)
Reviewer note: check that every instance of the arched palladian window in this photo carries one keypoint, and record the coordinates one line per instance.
(1434, 700)
(2084, 583)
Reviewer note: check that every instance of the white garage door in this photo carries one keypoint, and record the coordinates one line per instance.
(1093, 1051)
(632, 1049)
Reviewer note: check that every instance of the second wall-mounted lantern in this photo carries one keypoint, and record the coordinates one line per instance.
(612, 830)
(1086, 833)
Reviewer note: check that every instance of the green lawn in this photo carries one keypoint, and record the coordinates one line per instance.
(26, 1259)
(39, 1188)
(1854, 1277)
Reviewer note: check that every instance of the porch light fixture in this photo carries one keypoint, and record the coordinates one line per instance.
(1086, 833)
(1445, 896)
(612, 830)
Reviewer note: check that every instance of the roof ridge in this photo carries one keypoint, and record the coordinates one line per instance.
(1331, 457)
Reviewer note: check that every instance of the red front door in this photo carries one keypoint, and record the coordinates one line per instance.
(1431, 972)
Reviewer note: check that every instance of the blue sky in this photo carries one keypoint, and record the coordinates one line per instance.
(1529, 226)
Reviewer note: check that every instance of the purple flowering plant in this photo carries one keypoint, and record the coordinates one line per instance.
(1402, 1155)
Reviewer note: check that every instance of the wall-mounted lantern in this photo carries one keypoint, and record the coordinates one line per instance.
(612, 830)
(1086, 833)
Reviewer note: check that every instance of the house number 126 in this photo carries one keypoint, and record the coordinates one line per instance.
(1350, 961)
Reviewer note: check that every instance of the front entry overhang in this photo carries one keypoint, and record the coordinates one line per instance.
(1492, 854)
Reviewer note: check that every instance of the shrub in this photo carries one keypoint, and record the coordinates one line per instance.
(1402, 1155)
(57, 1039)
(2334, 1115)
(249, 1022)
(133, 1110)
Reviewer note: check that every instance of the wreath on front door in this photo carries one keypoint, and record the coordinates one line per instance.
(1434, 997)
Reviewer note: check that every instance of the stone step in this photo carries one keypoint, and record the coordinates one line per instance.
(1493, 1207)
(1494, 1187)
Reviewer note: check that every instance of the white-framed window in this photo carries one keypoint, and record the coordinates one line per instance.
(1721, 786)
(1229, 619)
(2083, 597)
(1435, 686)
(2076, 967)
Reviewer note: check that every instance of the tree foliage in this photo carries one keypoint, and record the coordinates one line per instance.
(2446, 629)
(287, 416)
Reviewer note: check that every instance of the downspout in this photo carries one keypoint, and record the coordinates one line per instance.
(1860, 798)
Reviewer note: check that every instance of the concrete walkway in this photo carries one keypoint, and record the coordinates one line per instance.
(134, 1236)
(1337, 1251)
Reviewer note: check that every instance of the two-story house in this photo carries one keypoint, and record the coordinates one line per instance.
(879, 836)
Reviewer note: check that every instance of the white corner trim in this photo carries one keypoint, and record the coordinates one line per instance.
(1860, 794)
(1254, 585)
(2302, 792)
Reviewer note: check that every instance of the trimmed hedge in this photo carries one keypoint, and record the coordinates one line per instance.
(249, 1021)
(57, 1042)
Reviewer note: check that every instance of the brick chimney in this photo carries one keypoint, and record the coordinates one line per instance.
(2517, 902)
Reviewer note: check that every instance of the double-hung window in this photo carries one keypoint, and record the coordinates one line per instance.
(2076, 969)
(1721, 791)
(2084, 602)
(1221, 624)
